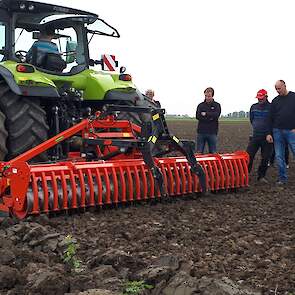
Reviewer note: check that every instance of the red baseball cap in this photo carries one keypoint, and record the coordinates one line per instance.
(261, 93)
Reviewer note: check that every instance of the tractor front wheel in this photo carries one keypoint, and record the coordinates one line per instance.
(22, 124)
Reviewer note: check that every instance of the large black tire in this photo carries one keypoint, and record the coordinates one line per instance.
(3, 137)
(25, 123)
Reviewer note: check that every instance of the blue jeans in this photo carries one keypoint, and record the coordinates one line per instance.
(283, 137)
(211, 140)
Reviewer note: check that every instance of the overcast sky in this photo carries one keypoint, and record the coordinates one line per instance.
(179, 48)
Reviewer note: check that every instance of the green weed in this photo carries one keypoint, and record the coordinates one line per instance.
(70, 254)
(135, 287)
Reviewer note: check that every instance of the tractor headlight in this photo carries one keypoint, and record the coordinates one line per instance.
(31, 7)
(22, 6)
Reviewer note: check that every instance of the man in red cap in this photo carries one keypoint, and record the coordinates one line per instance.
(260, 118)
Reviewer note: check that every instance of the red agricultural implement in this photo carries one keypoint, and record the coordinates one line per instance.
(114, 162)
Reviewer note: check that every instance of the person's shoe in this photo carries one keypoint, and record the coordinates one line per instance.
(262, 180)
(280, 183)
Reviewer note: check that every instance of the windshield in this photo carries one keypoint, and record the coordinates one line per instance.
(65, 40)
(2, 40)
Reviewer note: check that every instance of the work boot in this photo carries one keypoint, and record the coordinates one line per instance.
(280, 183)
(262, 180)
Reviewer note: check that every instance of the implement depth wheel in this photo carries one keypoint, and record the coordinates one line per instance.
(24, 124)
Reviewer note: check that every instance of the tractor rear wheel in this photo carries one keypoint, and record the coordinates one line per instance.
(3, 137)
(25, 124)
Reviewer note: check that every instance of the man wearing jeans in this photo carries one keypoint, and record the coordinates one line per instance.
(207, 114)
(283, 124)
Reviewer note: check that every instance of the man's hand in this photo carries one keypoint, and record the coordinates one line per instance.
(203, 114)
(269, 138)
(293, 130)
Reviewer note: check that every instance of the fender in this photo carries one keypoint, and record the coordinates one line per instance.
(8, 77)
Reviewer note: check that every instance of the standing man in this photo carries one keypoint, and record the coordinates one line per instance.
(283, 124)
(207, 114)
(150, 93)
(260, 118)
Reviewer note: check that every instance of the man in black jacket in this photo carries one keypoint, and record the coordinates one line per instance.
(283, 124)
(207, 113)
(260, 118)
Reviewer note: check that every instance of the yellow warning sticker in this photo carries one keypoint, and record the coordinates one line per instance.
(175, 139)
(154, 139)
(59, 139)
(156, 117)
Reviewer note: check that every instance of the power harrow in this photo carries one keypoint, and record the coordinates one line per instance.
(114, 162)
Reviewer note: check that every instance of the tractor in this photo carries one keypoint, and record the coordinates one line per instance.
(51, 93)
(72, 136)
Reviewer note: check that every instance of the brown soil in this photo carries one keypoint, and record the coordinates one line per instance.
(193, 245)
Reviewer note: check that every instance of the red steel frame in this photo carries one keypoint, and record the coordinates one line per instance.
(74, 183)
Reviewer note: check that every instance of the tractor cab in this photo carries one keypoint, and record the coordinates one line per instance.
(23, 36)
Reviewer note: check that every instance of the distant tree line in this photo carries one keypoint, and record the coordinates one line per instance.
(240, 114)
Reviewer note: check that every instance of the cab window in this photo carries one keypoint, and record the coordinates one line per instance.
(2, 40)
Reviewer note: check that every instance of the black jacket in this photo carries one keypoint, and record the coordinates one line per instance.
(283, 111)
(260, 118)
(208, 124)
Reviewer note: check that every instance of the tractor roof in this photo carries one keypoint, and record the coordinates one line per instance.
(38, 10)
(55, 21)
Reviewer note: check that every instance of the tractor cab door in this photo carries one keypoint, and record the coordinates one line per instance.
(4, 34)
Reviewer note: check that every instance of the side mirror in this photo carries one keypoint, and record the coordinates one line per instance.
(71, 51)
(36, 35)
(122, 70)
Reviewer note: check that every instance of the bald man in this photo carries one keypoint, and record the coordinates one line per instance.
(283, 125)
(150, 93)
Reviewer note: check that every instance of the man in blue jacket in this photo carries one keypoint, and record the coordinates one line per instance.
(260, 118)
(207, 114)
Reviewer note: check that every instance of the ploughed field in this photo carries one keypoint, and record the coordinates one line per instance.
(224, 243)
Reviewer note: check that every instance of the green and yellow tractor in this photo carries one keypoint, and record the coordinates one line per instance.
(50, 92)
